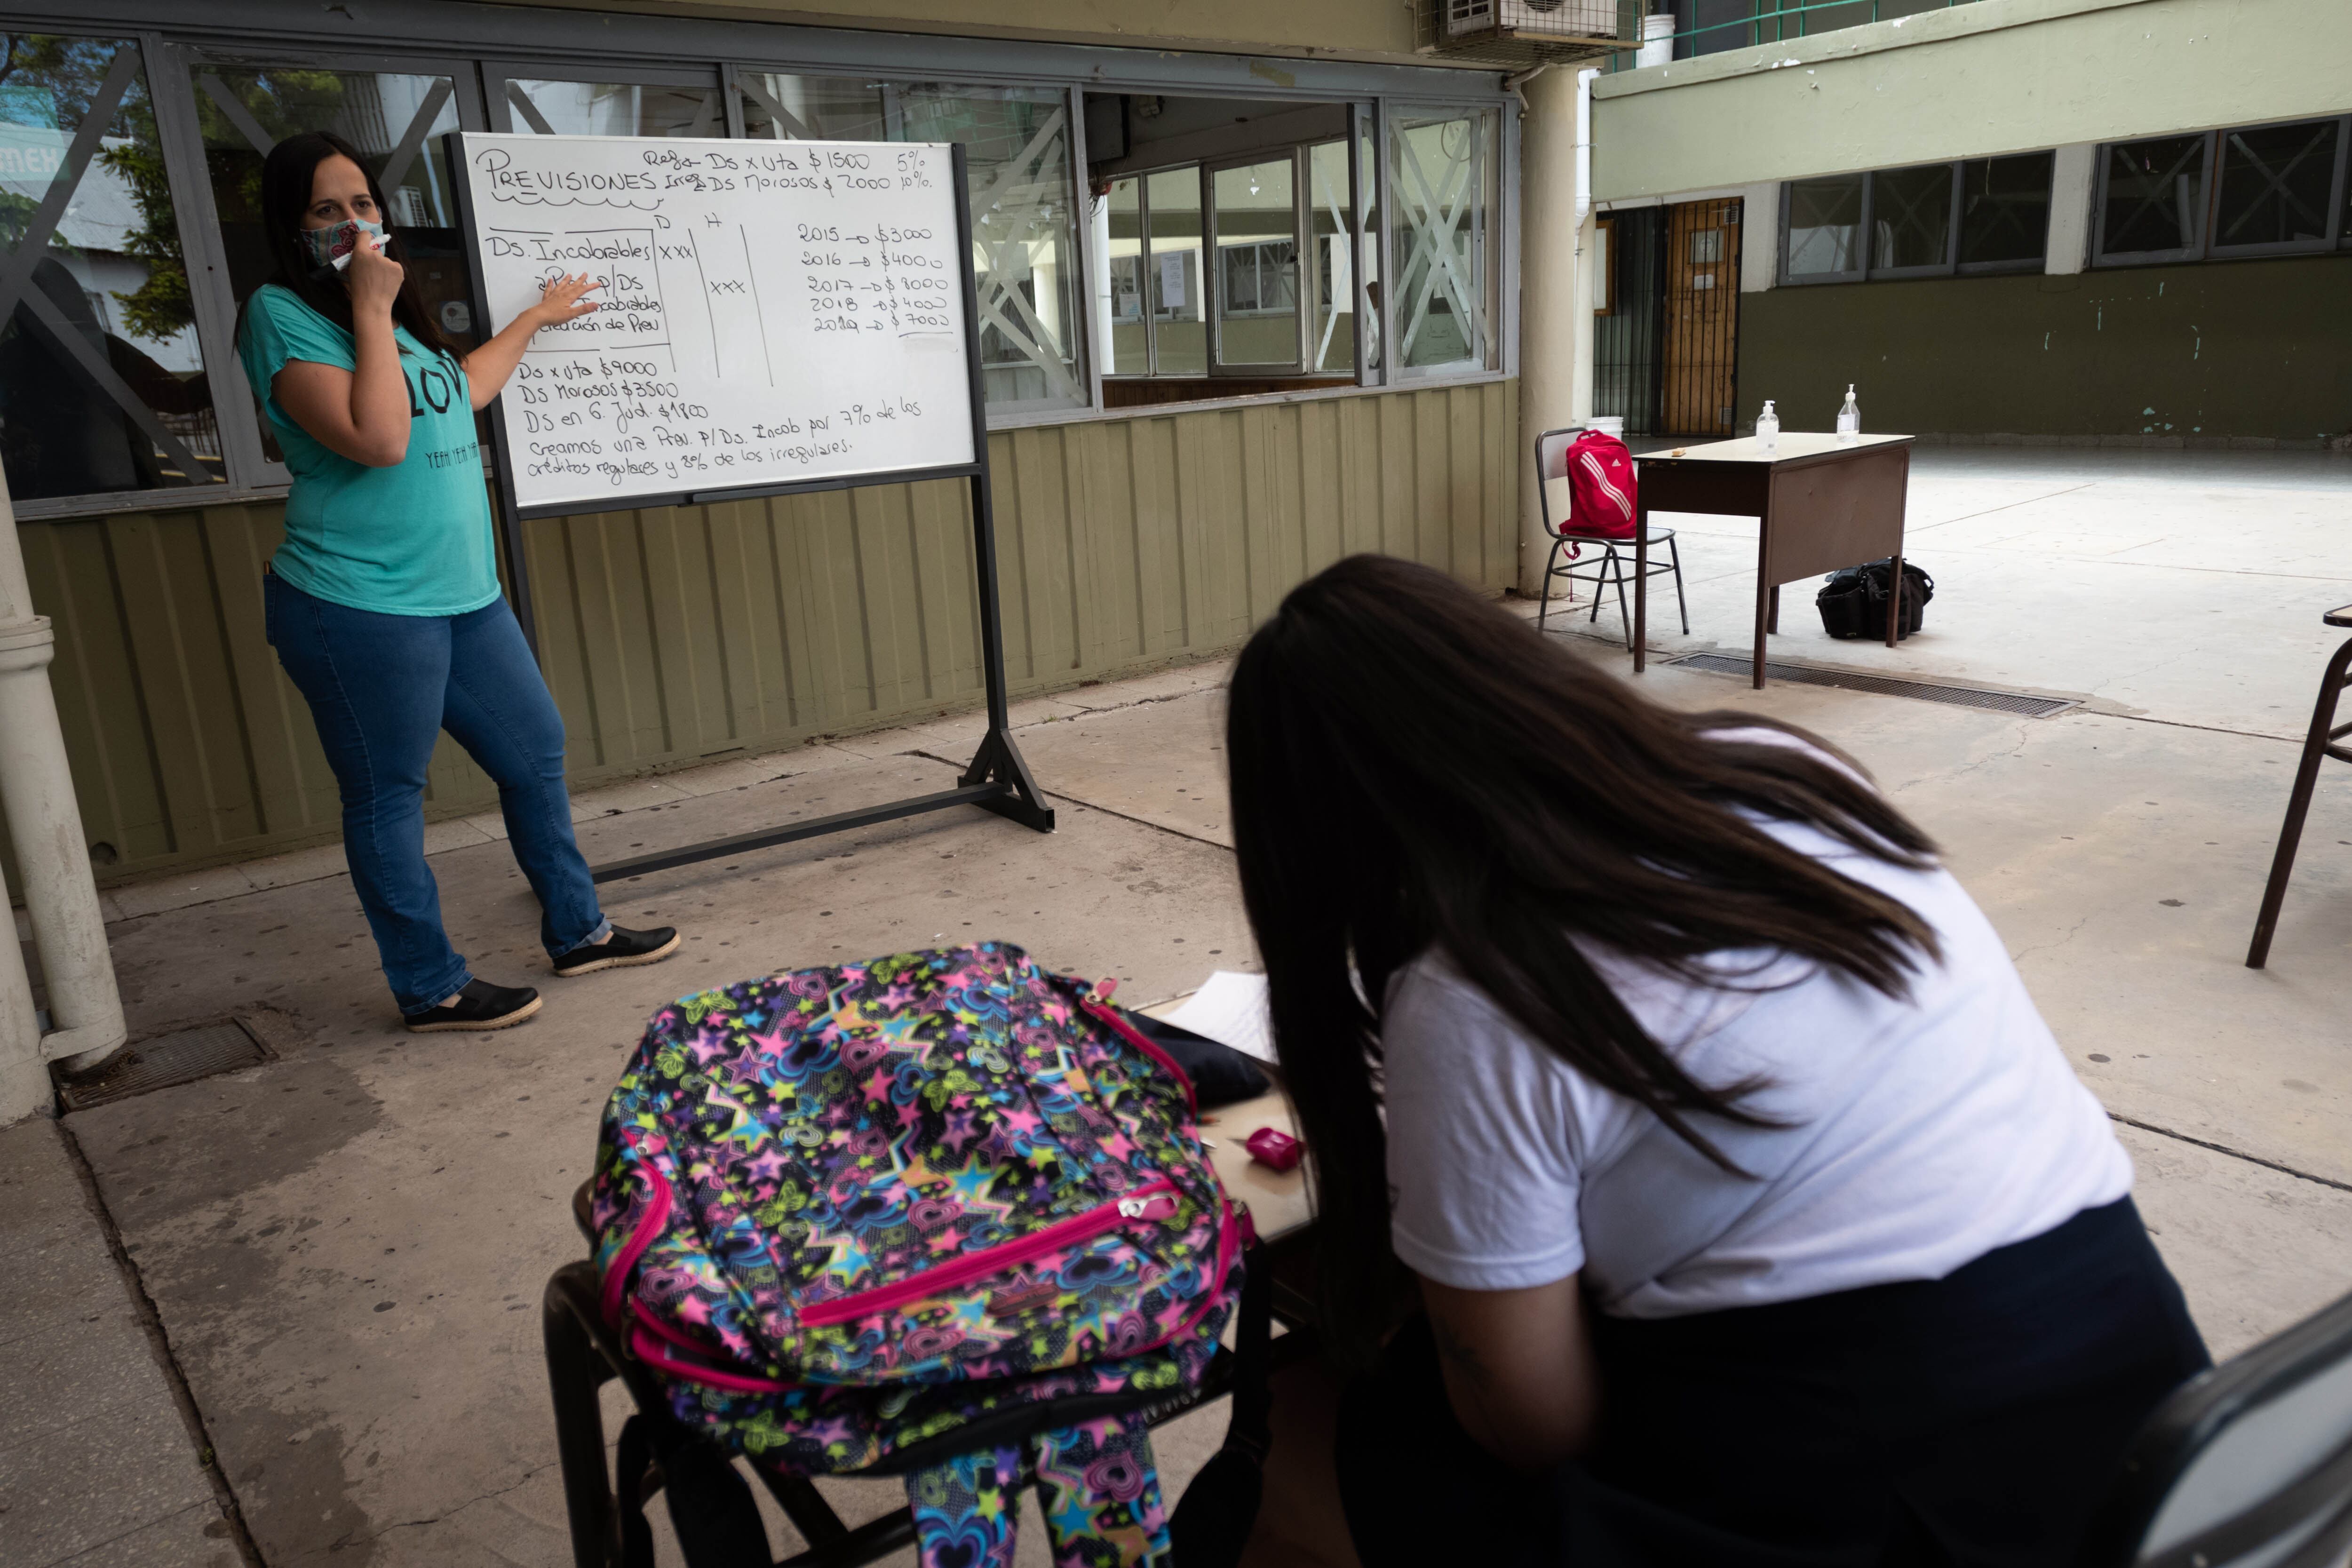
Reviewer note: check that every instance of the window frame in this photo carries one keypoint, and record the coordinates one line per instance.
(1858, 273)
(251, 469)
(2040, 263)
(154, 61)
(1874, 273)
(1499, 277)
(2335, 237)
(498, 79)
(1212, 271)
(483, 50)
(2101, 257)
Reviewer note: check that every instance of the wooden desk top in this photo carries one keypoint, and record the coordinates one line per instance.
(1278, 1199)
(1796, 446)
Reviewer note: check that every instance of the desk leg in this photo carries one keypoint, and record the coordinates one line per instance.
(1640, 583)
(1772, 615)
(1767, 594)
(1895, 601)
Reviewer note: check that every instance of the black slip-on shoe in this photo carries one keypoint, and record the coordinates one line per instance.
(480, 1006)
(624, 948)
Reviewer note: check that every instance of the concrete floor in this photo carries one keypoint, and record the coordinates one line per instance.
(346, 1247)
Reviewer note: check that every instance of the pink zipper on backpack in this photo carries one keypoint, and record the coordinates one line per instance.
(1153, 1200)
(658, 1207)
(1136, 1037)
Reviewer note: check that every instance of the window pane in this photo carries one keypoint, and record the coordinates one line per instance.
(1179, 324)
(1120, 237)
(395, 122)
(1257, 265)
(1330, 222)
(1024, 229)
(2005, 208)
(1368, 165)
(102, 386)
(1443, 193)
(1911, 217)
(1825, 227)
(2155, 192)
(613, 109)
(812, 107)
(1016, 142)
(2275, 184)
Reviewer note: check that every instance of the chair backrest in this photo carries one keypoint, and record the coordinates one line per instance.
(1551, 463)
(2247, 1466)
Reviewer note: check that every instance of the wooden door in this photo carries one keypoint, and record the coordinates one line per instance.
(1701, 347)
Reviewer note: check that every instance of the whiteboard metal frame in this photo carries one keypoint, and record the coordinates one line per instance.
(997, 779)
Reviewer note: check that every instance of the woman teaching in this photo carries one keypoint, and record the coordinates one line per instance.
(1748, 1212)
(384, 602)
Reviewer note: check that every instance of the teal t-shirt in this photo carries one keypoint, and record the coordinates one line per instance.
(410, 540)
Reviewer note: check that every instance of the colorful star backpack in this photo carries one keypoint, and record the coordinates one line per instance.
(943, 1214)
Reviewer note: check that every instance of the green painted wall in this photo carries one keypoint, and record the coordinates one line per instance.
(2211, 349)
(680, 634)
(1996, 76)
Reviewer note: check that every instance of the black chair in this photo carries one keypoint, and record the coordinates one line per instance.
(2320, 742)
(2247, 1466)
(1614, 566)
(583, 1353)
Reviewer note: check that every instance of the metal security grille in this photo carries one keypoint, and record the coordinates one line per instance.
(1701, 288)
(1629, 321)
(2015, 702)
(180, 1058)
(1667, 340)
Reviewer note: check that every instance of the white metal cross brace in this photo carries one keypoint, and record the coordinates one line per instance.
(1000, 288)
(1340, 223)
(1434, 240)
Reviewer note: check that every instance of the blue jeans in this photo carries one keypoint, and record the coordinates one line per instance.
(381, 688)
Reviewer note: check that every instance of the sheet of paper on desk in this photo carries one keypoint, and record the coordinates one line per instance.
(1231, 1009)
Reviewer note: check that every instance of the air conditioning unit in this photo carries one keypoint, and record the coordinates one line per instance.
(1567, 18)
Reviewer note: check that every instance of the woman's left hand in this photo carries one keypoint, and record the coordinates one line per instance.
(561, 299)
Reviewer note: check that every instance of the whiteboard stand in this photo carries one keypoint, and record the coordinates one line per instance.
(998, 779)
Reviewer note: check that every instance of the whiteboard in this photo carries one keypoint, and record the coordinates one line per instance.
(772, 312)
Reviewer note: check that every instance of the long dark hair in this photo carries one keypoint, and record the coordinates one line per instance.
(286, 180)
(1414, 767)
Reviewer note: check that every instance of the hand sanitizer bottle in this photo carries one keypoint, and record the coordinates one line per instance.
(1768, 428)
(1849, 425)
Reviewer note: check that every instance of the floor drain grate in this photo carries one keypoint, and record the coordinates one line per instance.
(1883, 685)
(182, 1057)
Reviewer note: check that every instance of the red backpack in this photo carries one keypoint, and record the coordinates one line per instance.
(1599, 486)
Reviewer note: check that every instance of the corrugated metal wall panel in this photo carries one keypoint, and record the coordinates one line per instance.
(674, 634)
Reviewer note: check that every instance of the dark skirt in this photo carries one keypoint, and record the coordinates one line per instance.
(1973, 1420)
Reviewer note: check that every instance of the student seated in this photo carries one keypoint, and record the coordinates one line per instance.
(1756, 1216)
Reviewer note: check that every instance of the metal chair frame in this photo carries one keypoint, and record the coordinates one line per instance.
(2317, 1502)
(2320, 742)
(584, 1352)
(1612, 569)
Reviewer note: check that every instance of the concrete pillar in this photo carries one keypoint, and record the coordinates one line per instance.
(45, 824)
(23, 1076)
(2074, 180)
(1553, 296)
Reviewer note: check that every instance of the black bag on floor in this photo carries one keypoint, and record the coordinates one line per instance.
(1852, 602)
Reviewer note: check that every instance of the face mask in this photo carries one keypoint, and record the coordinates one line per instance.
(327, 246)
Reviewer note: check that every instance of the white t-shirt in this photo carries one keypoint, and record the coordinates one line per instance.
(1919, 1135)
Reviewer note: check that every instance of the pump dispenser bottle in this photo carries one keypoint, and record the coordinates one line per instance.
(1848, 421)
(1768, 428)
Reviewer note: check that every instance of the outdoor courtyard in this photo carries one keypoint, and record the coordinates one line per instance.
(343, 1250)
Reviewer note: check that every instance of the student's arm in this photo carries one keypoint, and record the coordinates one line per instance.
(360, 414)
(488, 367)
(1519, 1367)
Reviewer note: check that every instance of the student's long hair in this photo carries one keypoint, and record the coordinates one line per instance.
(1414, 767)
(286, 180)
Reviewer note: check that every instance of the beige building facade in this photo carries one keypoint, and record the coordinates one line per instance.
(1308, 346)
